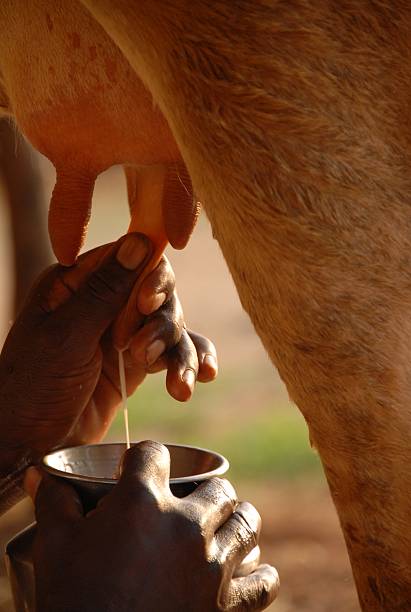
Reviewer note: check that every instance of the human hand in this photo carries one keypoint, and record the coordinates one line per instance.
(59, 368)
(144, 549)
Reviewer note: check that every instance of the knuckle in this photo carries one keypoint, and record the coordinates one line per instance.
(172, 307)
(204, 343)
(185, 352)
(160, 280)
(194, 516)
(144, 463)
(152, 448)
(106, 284)
(250, 516)
(167, 326)
(166, 275)
(146, 449)
(265, 591)
(244, 534)
(213, 498)
(223, 488)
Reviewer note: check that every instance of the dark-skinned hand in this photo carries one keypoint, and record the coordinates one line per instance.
(59, 369)
(142, 549)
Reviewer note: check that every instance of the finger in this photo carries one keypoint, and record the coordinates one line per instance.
(180, 210)
(249, 564)
(57, 284)
(254, 592)
(216, 500)
(161, 331)
(156, 288)
(239, 535)
(145, 466)
(69, 280)
(32, 480)
(104, 293)
(56, 503)
(182, 369)
(207, 357)
(86, 263)
(145, 189)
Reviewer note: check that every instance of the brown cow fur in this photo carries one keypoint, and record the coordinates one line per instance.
(292, 117)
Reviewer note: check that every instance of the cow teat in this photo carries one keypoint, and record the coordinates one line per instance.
(69, 213)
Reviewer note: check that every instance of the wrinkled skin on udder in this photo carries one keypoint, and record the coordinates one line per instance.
(79, 102)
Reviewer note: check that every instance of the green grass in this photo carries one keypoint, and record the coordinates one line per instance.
(261, 437)
(273, 446)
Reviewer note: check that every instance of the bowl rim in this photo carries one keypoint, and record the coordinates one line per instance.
(218, 471)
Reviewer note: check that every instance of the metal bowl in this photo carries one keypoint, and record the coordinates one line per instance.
(92, 469)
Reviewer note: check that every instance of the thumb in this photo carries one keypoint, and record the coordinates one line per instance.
(56, 503)
(99, 300)
(145, 467)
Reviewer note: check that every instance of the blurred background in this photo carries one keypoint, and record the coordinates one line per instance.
(245, 415)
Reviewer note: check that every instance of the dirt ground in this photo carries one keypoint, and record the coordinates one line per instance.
(302, 539)
(300, 535)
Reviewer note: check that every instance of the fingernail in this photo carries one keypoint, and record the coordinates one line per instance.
(154, 351)
(189, 378)
(156, 301)
(210, 361)
(132, 252)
